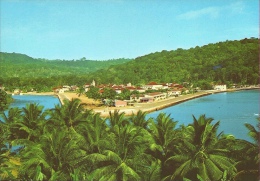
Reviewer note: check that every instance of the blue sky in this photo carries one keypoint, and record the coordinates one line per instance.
(107, 29)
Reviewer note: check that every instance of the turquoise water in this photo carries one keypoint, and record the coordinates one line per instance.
(233, 109)
(47, 101)
(20, 101)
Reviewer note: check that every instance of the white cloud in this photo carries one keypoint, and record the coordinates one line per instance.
(210, 11)
(237, 7)
(214, 11)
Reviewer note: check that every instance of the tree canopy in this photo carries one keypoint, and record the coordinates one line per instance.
(223, 62)
(71, 143)
(229, 62)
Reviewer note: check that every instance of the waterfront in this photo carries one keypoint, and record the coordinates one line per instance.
(48, 101)
(233, 109)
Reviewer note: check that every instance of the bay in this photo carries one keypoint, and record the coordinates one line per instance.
(232, 109)
(20, 101)
(44, 100)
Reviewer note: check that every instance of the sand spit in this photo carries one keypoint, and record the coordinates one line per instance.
(129, 110)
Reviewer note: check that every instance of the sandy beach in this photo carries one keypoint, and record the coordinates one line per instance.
(129, 110)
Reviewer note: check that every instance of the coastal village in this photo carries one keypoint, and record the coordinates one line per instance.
(150, 97)
(150, 92)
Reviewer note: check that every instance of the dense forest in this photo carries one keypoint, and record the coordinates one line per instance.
(19, 65)
(19, 70)
(72, 143)
(229, 62)
(224, 62)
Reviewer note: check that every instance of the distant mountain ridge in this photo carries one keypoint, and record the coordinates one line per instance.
(21, 65)
(229, 62)
(225, 62)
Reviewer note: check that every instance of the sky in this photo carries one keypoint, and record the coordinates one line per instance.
(110, 29)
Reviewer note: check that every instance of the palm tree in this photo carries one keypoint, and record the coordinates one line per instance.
(121, 162)
(125, 158)
(71, 114)
(201, 153)
(94, 135)
(117, 119)
(54, 157)
(30, 126)
(9, 119)
(80, 91)
(164, 137)
(112, 167)
(139, 119)
(8, 161)
(248, 163)
(13, 115)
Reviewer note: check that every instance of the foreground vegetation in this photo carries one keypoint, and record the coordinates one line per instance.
(71, 143)
(229, 62)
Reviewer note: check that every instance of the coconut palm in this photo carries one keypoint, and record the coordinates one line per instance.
(30, 126)
(201, 153)
(8, 161)
(53, 158)
(125, 158)
(139, 119)
(123, 161)
(112, 167)
(117, 119)
(94, 135)
(70, 114)
(248, 162)
(13, 115)
(164, 137)
(80, 91)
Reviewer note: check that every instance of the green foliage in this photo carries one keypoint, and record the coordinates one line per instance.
(223, 62)
(108, 94)
(19, 65)
(93, 93)
(26, 73)
(71, 143)
(5, 100)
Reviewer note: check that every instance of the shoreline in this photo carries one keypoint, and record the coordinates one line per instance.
(152, 107)
(145, 107)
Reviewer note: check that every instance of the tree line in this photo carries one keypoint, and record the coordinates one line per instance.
(69, 142)
(24, 72)
(229, 62)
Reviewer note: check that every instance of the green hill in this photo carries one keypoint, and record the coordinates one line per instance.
(223, 62)
(20, 65)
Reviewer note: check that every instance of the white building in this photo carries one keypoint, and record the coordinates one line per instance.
(153, 86)
(220, 87)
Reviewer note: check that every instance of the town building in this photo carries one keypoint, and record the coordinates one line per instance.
(220, 87)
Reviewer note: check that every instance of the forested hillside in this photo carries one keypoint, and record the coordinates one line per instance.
(223, 62)
(19, 65)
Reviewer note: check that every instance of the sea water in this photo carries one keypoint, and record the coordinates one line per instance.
(232, 109)
(21, 101)
(47, 101)
(44, 100)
